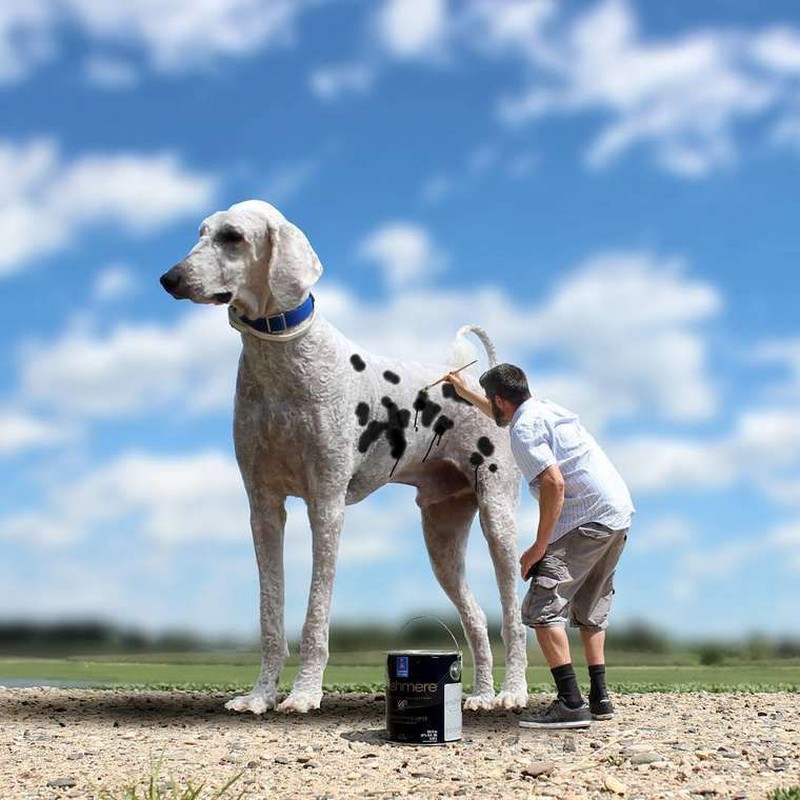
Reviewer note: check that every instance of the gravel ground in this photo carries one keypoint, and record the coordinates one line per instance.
(57, 743)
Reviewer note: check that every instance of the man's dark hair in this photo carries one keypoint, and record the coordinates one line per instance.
(506, 381)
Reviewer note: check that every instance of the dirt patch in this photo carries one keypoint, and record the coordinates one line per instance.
(58, 743)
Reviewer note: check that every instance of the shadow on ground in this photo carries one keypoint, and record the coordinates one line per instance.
(124, 708)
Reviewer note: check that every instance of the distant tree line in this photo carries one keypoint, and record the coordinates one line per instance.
(22, 637)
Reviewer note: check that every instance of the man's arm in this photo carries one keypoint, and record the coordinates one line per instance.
(478, 399)
(551, 501)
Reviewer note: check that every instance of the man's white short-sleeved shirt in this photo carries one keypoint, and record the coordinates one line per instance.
(542, 434)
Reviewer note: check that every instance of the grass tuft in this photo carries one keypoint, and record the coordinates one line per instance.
(789, 793)
(157, 790)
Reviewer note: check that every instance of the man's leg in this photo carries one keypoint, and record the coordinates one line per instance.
(555, 648)
(594, 646)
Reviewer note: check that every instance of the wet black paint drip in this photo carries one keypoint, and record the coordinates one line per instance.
(429, 410)
(357, 362)
(476, 459)
(449, 393)
(392, 377)
(443, 424)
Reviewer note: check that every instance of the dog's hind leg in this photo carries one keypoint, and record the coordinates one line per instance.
(499, 527)
(267, 519)
(446, 525)
(326, 515)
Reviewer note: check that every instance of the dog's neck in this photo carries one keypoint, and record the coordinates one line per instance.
(285, 325)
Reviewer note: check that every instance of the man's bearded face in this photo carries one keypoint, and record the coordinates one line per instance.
(499, 417)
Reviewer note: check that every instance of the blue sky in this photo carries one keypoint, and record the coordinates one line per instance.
(608, 187)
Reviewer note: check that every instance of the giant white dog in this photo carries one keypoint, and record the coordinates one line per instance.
(318, 417)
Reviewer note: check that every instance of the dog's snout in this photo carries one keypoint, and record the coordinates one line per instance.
(171, 279)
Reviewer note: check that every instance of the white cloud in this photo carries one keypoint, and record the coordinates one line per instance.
(25, 37)
(786, 354)
(665, 534)
(632, 323)
(115, 282)
(110, 73)
(178, 36)
(412, 28)
(21, 432)
(404, 252)
(670, 464)
(778, 48)
(334, 81)
(184, 34)
(46, 202)
(681, 96)
(135, 367)
(168, 499)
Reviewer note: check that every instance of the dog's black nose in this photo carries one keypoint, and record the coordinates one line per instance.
(171, 279)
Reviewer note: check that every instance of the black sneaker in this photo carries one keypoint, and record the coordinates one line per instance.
(601, 709)
(557, 716)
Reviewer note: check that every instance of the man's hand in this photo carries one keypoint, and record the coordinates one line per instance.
(459, 384)
(533, 554)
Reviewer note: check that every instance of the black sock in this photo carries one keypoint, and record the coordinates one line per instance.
(597, 680)
(567, 685)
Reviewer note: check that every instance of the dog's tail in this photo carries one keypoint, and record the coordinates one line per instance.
(463, 351)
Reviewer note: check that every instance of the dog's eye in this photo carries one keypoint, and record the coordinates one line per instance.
(229, 236)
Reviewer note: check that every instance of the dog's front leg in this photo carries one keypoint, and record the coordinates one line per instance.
(267, 519)
(326, 515)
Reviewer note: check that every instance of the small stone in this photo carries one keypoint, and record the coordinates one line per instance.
(614, 785)
(703, 755)
(644, 758)
(705, 791)
(62, 783)
(570, 746)
(281, 760)
(311, 765)
(538, 769)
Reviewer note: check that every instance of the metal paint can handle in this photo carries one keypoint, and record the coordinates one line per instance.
(436, 619)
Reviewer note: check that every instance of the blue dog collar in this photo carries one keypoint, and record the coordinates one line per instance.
(277, 324)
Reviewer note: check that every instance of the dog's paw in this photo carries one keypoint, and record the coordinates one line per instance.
(300, 702)
(511, 699)
(479, 702)
(256, 702)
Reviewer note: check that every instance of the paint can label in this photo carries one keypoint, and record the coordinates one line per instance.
(402, 666)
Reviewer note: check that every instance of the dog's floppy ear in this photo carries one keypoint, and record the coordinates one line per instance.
(293, 265)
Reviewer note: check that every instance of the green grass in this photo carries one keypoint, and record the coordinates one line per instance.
(365, 672)
(789, 793)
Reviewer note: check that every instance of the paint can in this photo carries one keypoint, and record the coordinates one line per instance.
(423, 694)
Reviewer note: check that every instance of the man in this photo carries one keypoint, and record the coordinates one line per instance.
(585, 511)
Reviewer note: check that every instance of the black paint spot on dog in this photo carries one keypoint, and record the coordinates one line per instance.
(362, 412)
(370, 435)
(476, 459)
(357, 362)
(449, 393)
(392, 377)
(430, 413)
(485, 446)
(492, 467)
(424, 405)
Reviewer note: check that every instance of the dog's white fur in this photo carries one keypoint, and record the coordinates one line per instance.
(296, 433)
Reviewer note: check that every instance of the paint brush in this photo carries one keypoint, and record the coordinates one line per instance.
(436, 383)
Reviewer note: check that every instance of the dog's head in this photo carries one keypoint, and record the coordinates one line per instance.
(249, 256)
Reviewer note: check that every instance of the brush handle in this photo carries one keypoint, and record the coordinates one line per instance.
(436, 383)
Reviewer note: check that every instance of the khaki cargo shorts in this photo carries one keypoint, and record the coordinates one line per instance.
(575, 581)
